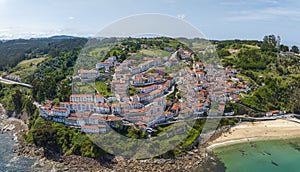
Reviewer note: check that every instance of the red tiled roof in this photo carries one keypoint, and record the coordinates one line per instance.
(106, 105)
(102, 118)
(147, 87)
(113, 118)
(74, 118)
(236, 99)
(90, 127)
(157, 91)
(136, 110)
(99, 96)
(199, 105)
(60, 109)
(175, 107)
(232, 89)
(115, 105)
(168, 113)
(275, 111)
(139, 123)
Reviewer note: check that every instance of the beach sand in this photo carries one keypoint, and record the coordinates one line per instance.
(264, 130)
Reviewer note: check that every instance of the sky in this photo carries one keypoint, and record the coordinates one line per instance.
(216, 19)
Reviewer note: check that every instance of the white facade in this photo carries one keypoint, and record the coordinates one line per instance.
(81, 98)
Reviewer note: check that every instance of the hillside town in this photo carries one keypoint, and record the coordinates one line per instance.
(149, 104)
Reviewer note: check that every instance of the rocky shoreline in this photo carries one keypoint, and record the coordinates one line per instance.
(77, 163)
(189, 162)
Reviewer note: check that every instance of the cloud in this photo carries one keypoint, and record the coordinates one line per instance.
(233, 3)
(19, 32)
(71, 18)
(266, 14)
(181, 16)
(270, 1)
(8, 33)
(253, 2)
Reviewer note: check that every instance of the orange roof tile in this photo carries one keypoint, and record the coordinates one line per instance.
(99, 96)
(90, 127)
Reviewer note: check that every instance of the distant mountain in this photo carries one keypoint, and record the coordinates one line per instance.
(62, 37)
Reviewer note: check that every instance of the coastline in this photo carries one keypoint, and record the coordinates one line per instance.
(18, 129)
(243, 132)
(256, 131)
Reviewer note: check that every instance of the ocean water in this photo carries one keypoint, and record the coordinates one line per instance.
(8, 159)
(253, 156)
(261, 156)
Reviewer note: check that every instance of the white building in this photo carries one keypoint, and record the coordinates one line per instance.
(81, 98)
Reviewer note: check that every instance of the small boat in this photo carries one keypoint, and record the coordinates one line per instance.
(268, 153)
(274, 163)
(242, 151)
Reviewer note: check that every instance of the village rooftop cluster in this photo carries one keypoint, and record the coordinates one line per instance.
(199, 86)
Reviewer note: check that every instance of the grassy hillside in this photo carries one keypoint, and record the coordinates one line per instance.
(275, 79)
(27, 67)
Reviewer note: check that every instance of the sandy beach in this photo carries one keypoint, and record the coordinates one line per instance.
(264, 130)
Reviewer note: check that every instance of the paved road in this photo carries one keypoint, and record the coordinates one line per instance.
(10, 82)
(287, 116)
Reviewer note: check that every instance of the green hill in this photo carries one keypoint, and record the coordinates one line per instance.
(275, 80)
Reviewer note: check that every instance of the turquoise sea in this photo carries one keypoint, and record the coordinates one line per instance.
(261, 156)
(253, 156)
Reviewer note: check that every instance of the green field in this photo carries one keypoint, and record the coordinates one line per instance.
(98, 52)
(155, 53)
(103, 88)
(27, 67)
(251, 46)
(83, 88)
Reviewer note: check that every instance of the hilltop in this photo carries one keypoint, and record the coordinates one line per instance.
(14, 51)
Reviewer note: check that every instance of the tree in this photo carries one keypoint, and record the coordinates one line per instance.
(17, 100)
(132, 91)
(278, 41)
(284, 48)
(135, 134)
(223, 53)
(64, 90)
(28, 105)
(268, 47)
(270, 39)
(295, 49)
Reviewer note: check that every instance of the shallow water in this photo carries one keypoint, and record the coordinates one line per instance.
(275, 156)
(8, 160)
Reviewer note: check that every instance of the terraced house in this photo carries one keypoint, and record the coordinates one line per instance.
(88, 75)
